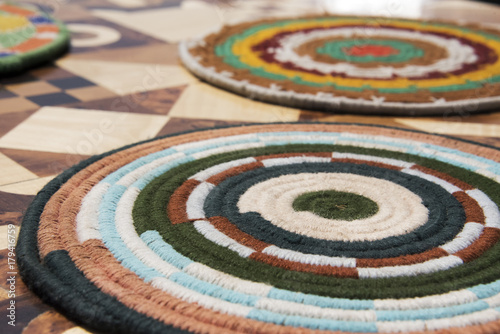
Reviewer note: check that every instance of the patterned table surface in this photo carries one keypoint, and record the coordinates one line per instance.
(122, 82)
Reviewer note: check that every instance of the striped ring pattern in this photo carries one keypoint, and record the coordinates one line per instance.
(155, 237)
(441, 205)
(355, 64)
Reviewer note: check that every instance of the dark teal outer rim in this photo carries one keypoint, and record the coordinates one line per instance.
(69, 291)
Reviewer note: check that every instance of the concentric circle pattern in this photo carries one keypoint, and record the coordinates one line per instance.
(356, 64)
(277, 228)
(28, 37)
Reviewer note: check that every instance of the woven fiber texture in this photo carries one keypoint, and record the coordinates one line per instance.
(28, 37)
(364, 65)
(275, 228)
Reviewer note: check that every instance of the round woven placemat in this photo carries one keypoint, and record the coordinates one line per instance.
(367, 65)
(276, 228)
(28, 37)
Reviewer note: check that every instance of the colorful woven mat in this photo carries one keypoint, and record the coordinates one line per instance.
(354, 64)
(28, 37)
(276, 228)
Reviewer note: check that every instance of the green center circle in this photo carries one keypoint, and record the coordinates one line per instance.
(336, 205)
(336, 49)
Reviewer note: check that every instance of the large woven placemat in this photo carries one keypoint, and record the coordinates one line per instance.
(354, 64)
(278, 228)
(28, 37)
